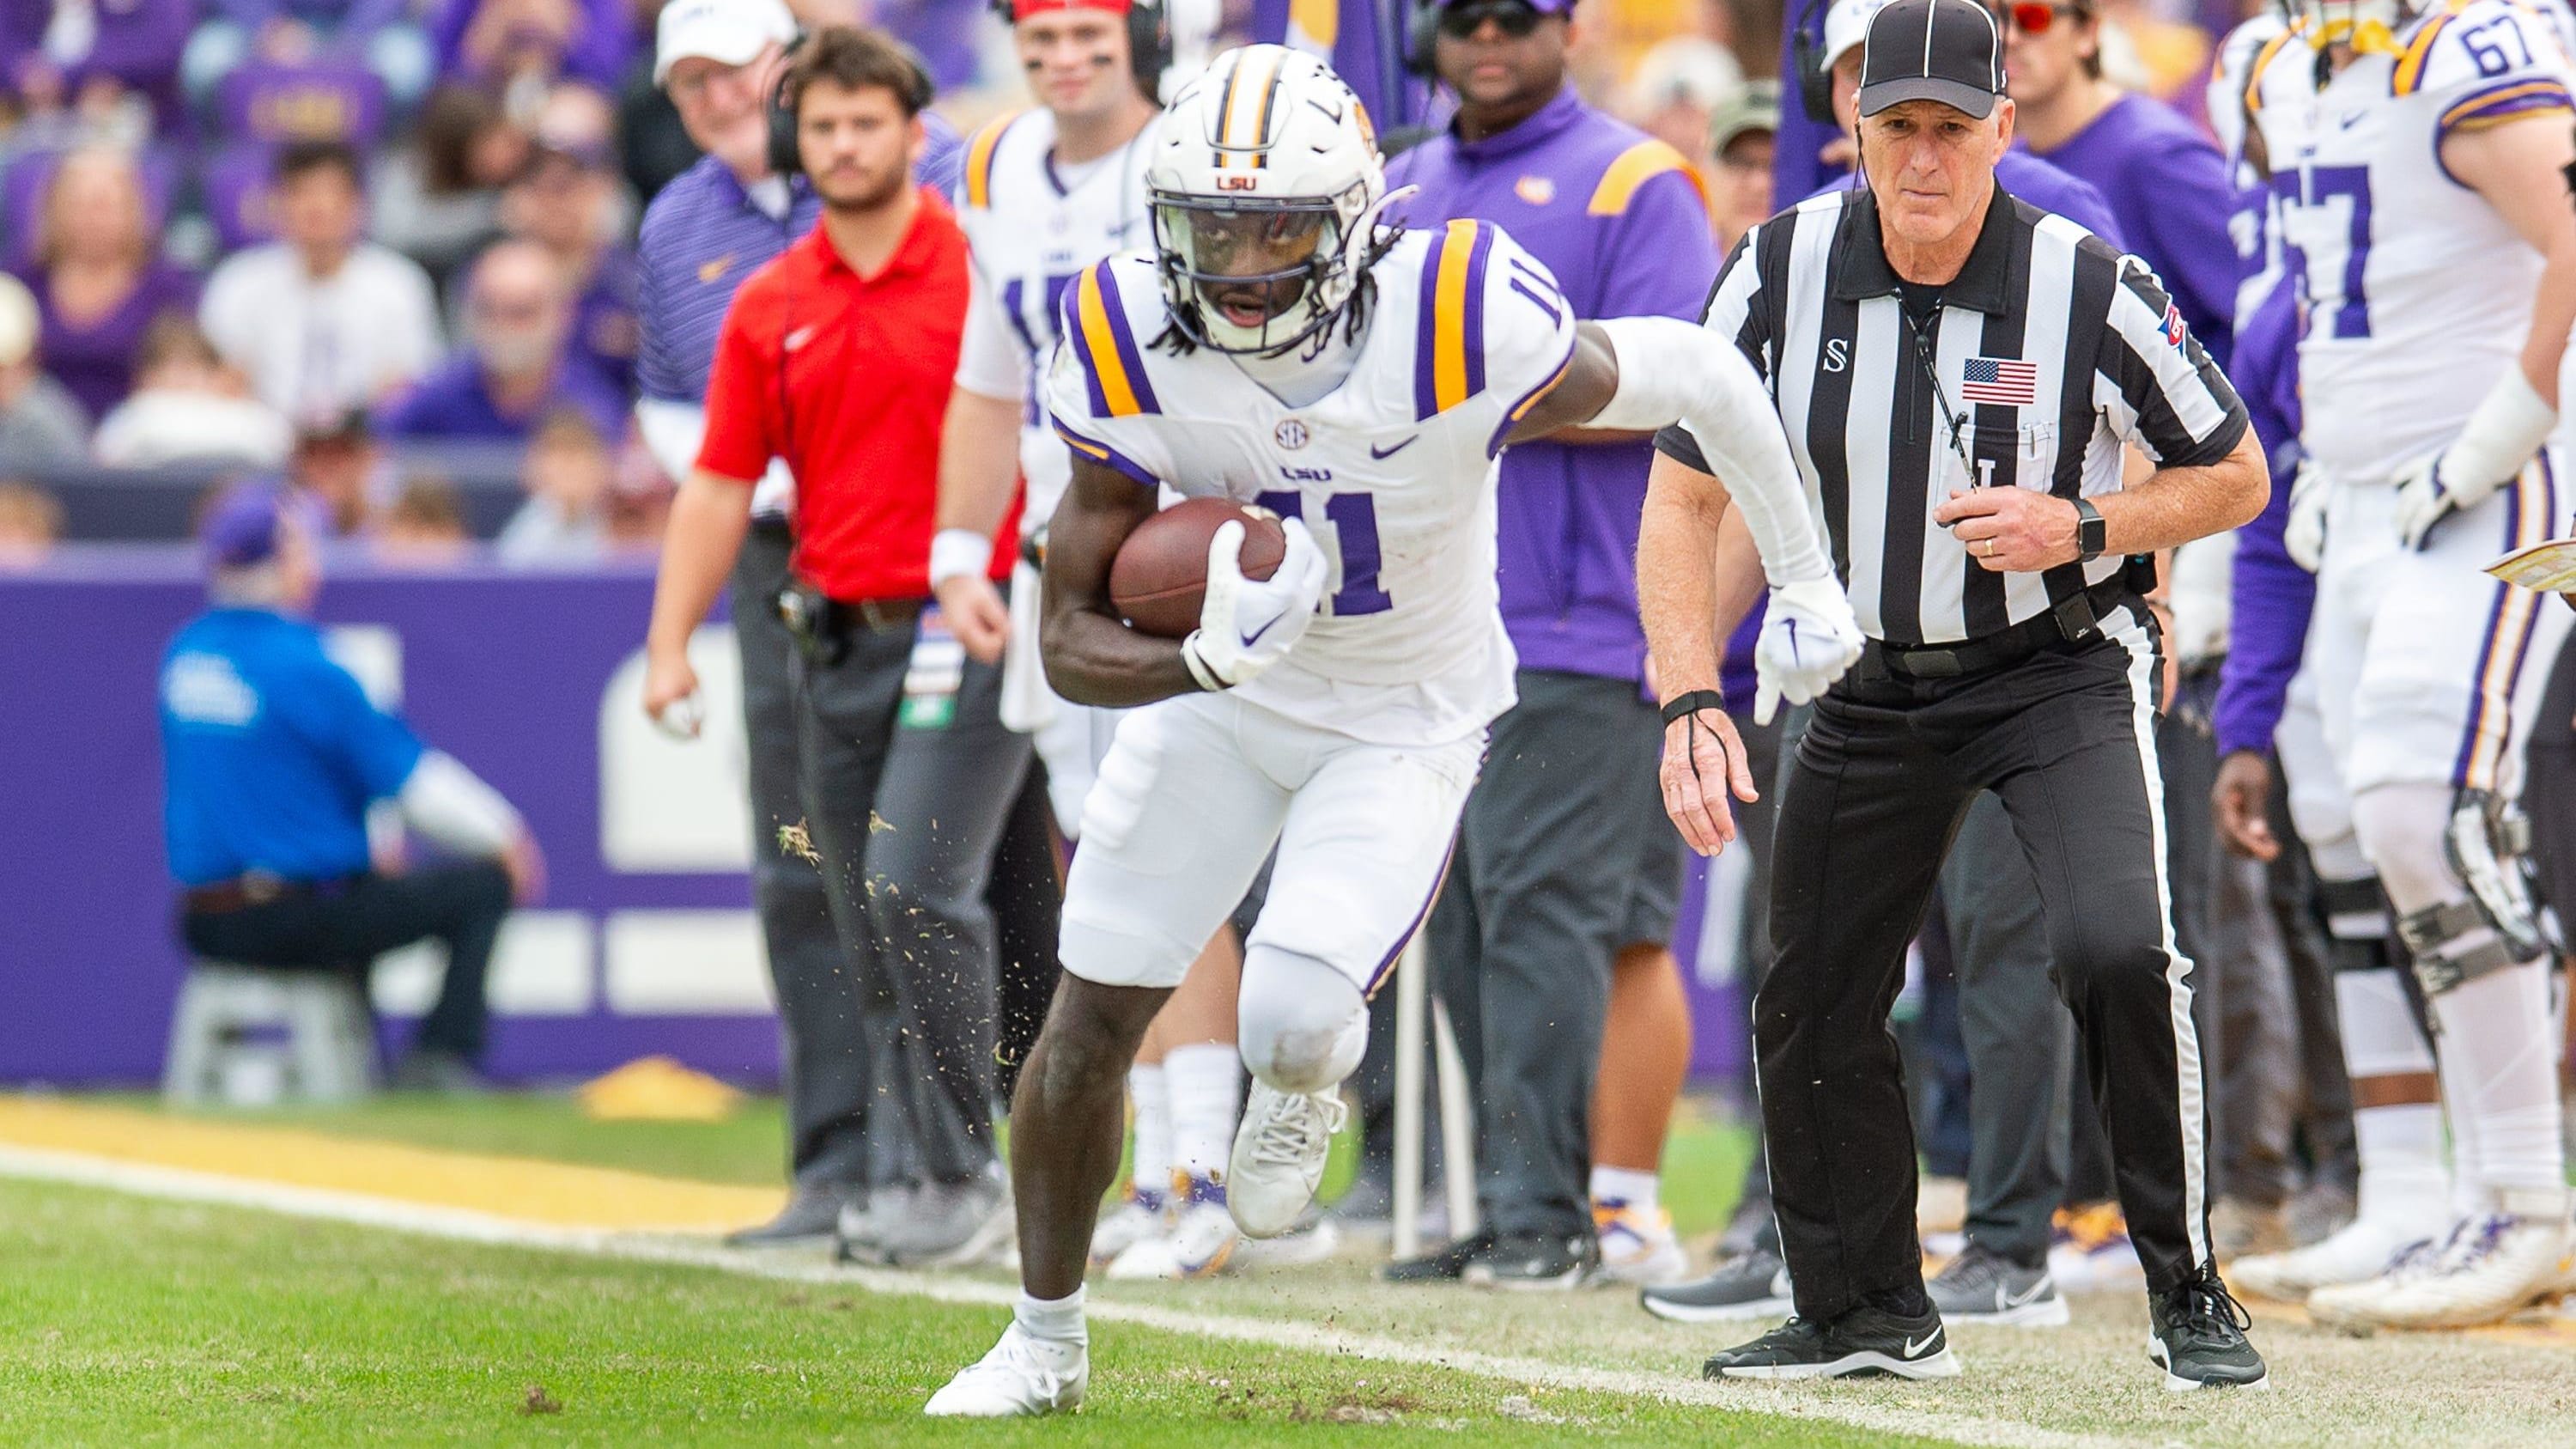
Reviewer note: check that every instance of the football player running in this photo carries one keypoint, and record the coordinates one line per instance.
(1046, 193)
(2418, 160)
(1280, 347)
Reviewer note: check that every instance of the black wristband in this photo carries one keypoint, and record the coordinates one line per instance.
(1693, 702)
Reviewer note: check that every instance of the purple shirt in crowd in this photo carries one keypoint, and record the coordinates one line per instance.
(2169, 187)
(601, 43)
(605, 330)
(343, 20)
(95, 360)
(1619, 220)
(452, 402)
(138, 44)
(2268, 627)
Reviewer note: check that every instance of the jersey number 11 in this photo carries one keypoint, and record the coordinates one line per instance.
(1354, 520)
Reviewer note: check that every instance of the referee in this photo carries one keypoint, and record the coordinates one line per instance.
(1957, 372)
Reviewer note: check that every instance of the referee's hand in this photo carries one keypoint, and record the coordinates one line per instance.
(1704, 761)
(2011, 530)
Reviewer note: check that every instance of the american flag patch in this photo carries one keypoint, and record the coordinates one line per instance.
(2173, 328)
(2008, 381)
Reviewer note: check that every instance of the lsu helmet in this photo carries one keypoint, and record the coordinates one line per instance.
(1265, 185)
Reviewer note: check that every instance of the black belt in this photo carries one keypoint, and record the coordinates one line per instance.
(245, 891)
(2076, 619)
(773, 525)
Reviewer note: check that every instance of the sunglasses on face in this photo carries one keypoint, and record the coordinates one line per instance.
(2033, 17)
(1516, 17)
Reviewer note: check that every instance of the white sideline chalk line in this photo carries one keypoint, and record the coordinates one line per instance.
(188, 1185)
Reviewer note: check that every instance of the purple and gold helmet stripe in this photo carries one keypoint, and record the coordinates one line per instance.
(2509, 629)
(1243, 116)
(1112, 365)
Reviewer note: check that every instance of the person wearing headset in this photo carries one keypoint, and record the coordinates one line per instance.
(837, 357)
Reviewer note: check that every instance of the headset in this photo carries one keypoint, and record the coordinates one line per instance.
(920, 91)
(1815, 83)
(1149, 42)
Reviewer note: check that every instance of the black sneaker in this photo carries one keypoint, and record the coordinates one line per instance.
(1536, 1262)
(1749, 1285)
(1865, 1340)
(1447, 1265)
(2197, 1332)
(1983, 1286)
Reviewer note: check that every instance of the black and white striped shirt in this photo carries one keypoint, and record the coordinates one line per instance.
(2050, 349)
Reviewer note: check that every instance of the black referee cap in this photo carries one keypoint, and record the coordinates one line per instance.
(1932, 50)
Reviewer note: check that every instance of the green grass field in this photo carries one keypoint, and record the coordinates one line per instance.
(133, 1319)
(128, 1321)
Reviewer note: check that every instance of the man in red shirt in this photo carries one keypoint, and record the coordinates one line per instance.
(838, 357)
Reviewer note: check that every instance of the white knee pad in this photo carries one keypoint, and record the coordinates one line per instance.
(1301, 1024)
(2400, 828)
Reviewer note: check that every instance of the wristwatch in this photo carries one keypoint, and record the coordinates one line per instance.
(2092, 532)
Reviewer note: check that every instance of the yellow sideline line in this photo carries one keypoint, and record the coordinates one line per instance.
(522, 1189)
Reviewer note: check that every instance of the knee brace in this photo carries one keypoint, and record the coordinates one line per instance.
(2357, 924)
(1302, 1025)
(2431, 857)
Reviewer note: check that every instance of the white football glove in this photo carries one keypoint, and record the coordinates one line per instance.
(1808, 639)
(2303, 536)
(2428, 491)
(2506, 428)
(1247, 625)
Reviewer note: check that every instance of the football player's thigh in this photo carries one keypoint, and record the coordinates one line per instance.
(1366, 843)
(1172, 834)
(2447, 656)
(1073, 742)
(2360, 550)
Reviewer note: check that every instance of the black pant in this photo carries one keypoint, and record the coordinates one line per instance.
(826, 1065)
(907, 821)
(1879, 786)
(345, 929)
(1563, 858)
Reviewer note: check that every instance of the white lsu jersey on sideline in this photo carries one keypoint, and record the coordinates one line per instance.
(1393, 470)
(1032, 226)
(2416, 293)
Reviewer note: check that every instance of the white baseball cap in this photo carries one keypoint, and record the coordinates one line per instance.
(1846, 27)
(729, 32)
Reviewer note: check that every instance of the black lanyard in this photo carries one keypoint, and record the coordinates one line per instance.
(1923, 358)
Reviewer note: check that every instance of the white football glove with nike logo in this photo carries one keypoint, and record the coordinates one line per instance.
(2508, 427)
(1247, 625)
(2303, 534)
(1809, 637)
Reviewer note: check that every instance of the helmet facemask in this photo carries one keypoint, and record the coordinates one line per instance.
(1249, 275)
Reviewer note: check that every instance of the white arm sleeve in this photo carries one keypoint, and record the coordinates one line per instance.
(989, 361)
(448, 804)
(672, 432)
(1673, 371)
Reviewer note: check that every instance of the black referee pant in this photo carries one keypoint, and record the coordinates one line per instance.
(2066, 737)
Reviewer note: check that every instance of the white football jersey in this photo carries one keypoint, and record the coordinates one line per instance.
(1393, 470)
(2415, 293)
(1031, 229)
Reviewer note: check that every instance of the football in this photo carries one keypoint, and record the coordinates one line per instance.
(1160, 573)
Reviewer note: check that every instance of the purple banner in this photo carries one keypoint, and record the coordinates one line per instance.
(513, 674)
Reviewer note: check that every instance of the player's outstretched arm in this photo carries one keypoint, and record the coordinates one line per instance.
(1092, 657)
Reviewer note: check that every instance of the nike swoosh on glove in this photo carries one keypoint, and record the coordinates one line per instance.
(2303, 534)
(2428, 492)
(1809, 637)
(1247, 625)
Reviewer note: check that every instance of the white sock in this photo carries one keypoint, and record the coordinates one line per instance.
(1150, 1175)
(2402, 1178)
(1207, 1091)
(1625, 1185)
(1057, 1322)
(2500, 1073)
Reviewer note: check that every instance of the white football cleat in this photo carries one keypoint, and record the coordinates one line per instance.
(1201, 1242)
(1133, 1221)
(1638, 1247)
(2359, 1251)
(2493, 1266)
(1278, 1156)
(1021, 1378)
